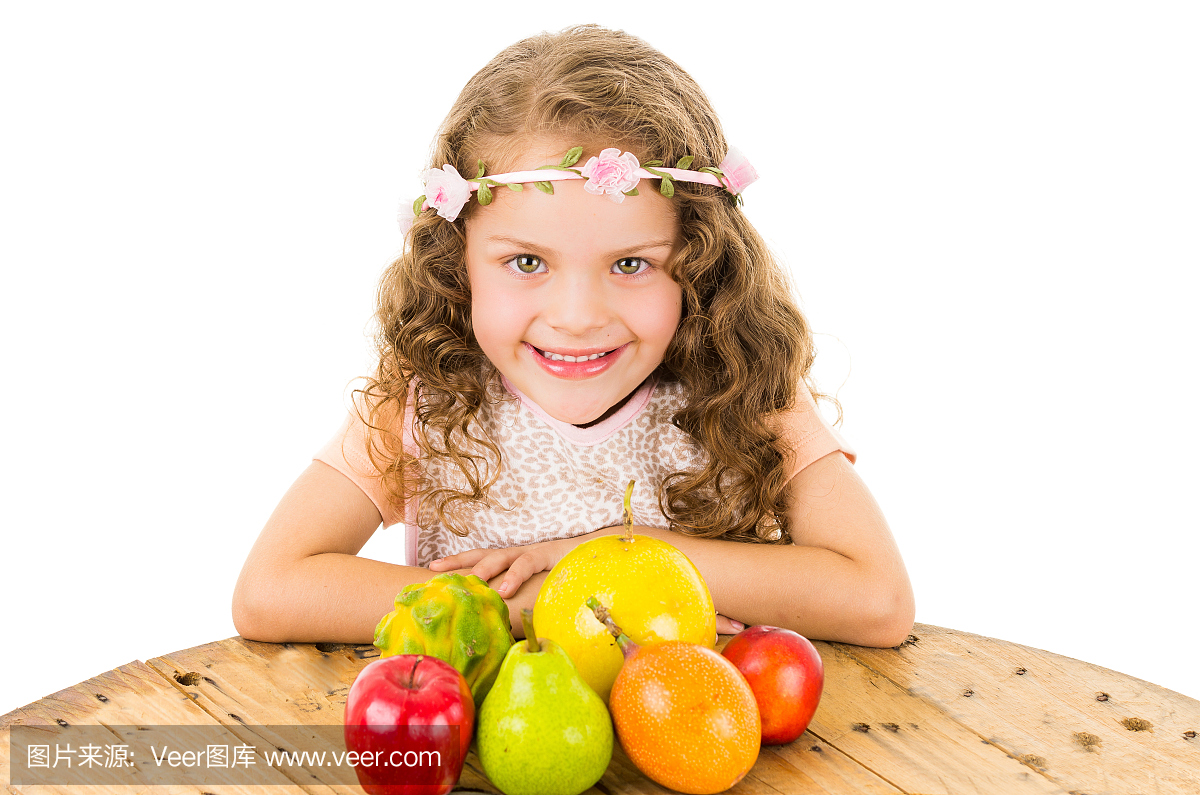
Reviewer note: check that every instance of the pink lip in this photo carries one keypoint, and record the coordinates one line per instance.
(577, 370)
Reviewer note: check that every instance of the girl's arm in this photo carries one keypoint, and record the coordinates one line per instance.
(841, 579)
(303, 580)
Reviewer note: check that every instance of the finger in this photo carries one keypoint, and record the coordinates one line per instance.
(495, 563)
(463, 560)
(727, 626)
(519, 571)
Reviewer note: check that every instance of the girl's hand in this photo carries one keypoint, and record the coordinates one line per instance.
(517, 564)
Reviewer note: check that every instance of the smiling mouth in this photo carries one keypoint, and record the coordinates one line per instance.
(558, 357)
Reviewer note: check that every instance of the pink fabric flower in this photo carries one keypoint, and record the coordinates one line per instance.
(738, 171)
(611, 174)
(446, 191)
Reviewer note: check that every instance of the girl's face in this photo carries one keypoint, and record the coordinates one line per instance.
(570, 296)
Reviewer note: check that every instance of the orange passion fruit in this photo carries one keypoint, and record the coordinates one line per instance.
(684, 714)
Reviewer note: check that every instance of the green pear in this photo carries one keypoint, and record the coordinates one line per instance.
(542, 730)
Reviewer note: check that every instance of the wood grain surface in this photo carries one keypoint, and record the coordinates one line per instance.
(947, 712)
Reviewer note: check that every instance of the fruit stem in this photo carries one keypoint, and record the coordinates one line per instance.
(410, 682)
(530, 636)
(628, 647)
(627, 514)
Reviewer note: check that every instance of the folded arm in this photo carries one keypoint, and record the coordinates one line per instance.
(841, 579)
(303, 580)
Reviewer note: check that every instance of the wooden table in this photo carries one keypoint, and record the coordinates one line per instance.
(946, 712)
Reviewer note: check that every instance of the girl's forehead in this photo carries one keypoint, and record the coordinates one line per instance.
(571, 217)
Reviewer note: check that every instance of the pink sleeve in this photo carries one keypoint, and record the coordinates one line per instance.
(347, 453)
(807, 437)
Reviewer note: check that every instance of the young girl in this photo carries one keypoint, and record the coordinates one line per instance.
(582, 301)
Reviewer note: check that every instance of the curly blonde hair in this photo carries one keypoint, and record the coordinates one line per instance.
(742, 346)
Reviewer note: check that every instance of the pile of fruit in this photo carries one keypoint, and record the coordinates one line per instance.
(623, 632)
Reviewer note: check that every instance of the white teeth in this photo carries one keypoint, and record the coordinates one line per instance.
(558, 357)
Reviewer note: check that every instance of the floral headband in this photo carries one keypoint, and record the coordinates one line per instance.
(611, 173)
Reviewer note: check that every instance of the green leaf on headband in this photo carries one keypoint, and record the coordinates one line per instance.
(667, 188)
(652, 163)
(485, 194)
(482, 170)
(417, 205)
(572, 156)
(544, 187)
(633, 192)
(685, 162)
(716, 172)
(517, 186)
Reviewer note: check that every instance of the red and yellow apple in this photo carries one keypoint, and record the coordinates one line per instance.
(786, 674)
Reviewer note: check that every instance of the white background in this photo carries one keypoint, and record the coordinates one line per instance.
(990, 212)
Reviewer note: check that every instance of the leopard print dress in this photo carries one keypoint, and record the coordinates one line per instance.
(559, 481)
(556, 480)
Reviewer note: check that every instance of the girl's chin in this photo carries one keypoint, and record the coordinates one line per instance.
(574, 403)
(581, 408)
(572, 413)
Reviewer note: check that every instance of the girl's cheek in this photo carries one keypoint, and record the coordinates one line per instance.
(662, 313)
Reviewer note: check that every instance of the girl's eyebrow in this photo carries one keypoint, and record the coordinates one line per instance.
(527, 244)
(512, 241)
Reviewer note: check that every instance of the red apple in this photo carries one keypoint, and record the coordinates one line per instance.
(408, 725)
(786, 674)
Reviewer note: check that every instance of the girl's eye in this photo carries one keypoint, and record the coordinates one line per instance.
(630, 266)
(527, 263)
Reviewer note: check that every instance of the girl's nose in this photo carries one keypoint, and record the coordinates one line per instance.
(578, 305)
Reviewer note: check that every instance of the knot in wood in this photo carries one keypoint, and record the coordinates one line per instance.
(1137, 724)
(1033, 760)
